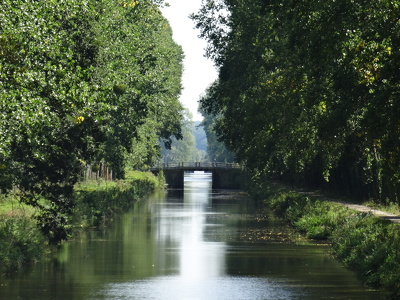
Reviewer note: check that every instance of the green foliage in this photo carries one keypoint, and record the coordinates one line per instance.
(99, 202)
(46, 103)
(364, 243)
(20, 243)
(200, 136)
(148, 178)
(216, 150)
(83, 82)
(96, 203)
(185, 149)
(139, 66)
(161, 179)
(316, 219)
(322, 220)
(307, 90)
(367, 244)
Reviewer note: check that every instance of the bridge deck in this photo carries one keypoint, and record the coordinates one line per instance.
(195, 166)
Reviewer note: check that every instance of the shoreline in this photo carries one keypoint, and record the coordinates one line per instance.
(365, 240)
(96, 203)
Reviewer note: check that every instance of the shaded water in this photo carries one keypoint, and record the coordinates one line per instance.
(195, 244)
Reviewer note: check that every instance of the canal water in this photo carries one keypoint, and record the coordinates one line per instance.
(195, 244)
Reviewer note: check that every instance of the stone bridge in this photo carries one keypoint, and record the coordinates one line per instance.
(224, 175)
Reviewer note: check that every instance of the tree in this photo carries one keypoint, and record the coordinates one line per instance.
(49, 119)
(306, 90)
(216, 150)
(81, 81)
(200, 136)
(140, 69)
(185, 149)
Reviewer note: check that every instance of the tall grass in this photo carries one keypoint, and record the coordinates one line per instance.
(21, 243)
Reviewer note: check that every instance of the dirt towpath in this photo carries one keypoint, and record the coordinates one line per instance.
(357, 207)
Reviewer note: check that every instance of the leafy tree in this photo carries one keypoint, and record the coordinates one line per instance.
(306, 90)
(184, 150)
(216, 150)
(47, 104)
(81, 82)
(200, 136)
(140, 68)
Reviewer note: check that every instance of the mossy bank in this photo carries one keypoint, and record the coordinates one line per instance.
(96, 204)
(366, 244)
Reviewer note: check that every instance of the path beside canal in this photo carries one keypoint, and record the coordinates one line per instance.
(357, 207)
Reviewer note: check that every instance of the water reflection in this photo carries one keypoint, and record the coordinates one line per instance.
(198, 230)
(182, 229)
(199, 260)
(185, 224)
(189, 244)
(223, 288)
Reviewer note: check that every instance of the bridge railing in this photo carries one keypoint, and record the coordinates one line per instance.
(200, 165)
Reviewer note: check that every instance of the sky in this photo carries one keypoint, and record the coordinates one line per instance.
(199, 72)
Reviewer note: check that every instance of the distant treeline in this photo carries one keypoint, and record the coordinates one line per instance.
(308, 91)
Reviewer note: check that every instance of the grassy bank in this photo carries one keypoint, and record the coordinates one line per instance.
(366, 244)
(96, 203)
(21, 242)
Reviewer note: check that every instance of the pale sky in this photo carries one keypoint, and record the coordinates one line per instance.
(199, 72)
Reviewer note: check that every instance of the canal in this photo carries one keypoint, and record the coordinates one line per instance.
(191, 244)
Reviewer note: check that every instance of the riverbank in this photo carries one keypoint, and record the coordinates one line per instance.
(367, 244)
(97, 202)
